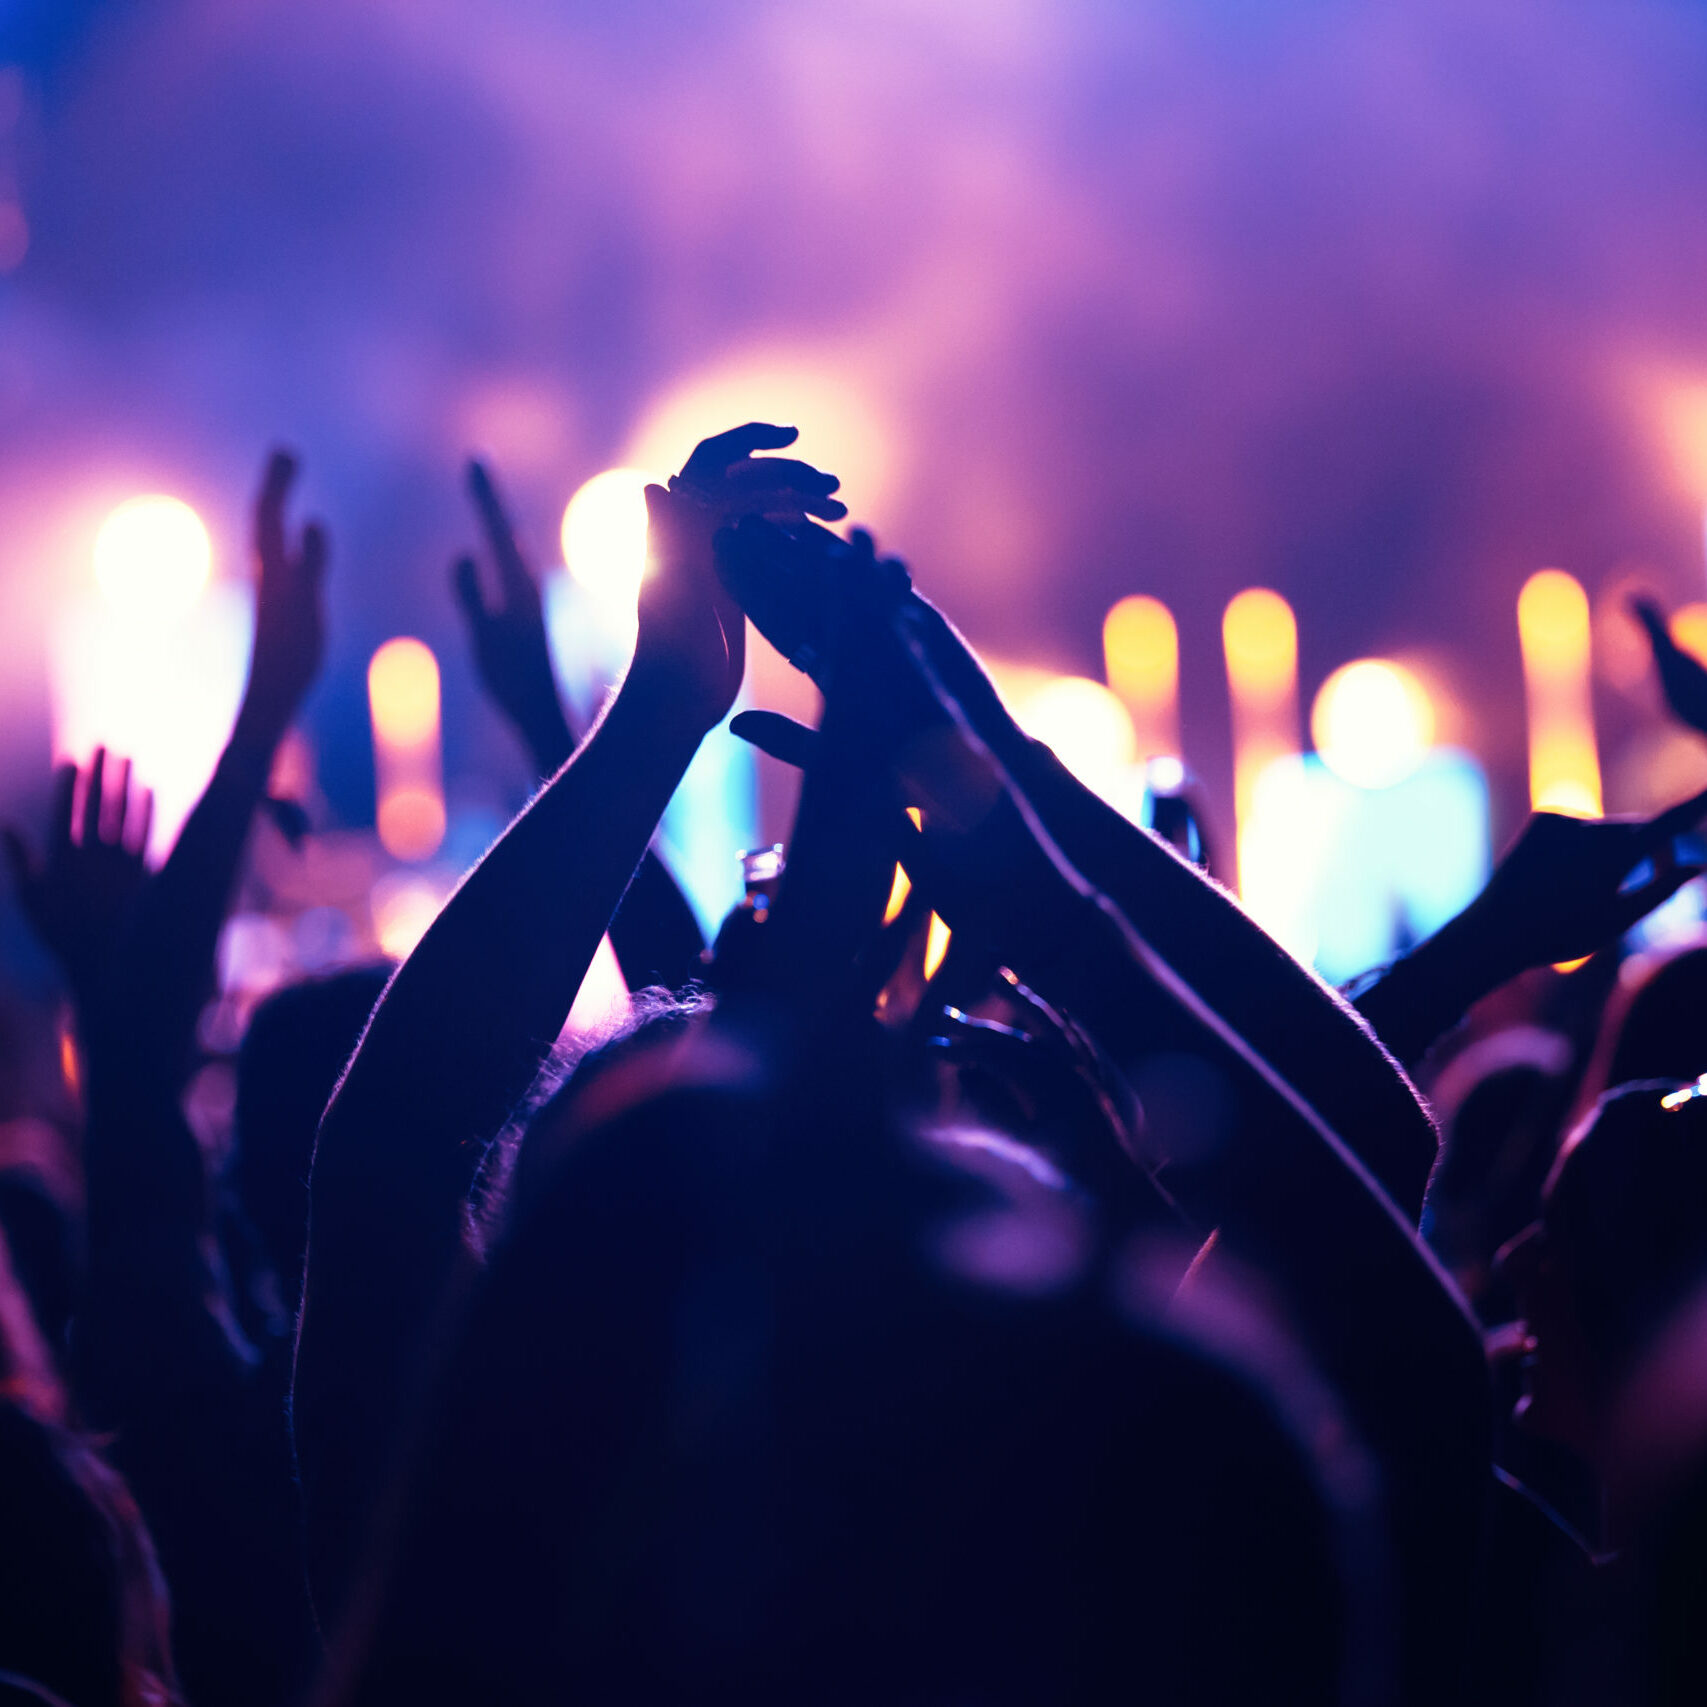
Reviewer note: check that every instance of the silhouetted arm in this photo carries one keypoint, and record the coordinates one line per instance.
(655, 933)
(470, 1016)
(1566, 888)
(1291, 1016)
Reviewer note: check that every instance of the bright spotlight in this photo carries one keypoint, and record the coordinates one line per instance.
(403, 691)
(604, 536)
(1373, 723)
(1089, 730)
(1553, 633)
(403, 698)
(153, 556)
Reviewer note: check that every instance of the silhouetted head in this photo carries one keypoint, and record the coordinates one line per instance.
(764, 1396)
(1621, 1241)
(298, 1043)
(82, 1605)
(1501, 1106)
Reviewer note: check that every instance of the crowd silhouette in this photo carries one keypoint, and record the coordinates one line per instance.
(1104, 1316)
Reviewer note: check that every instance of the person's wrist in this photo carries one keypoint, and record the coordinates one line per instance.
(260, 728)
(652, 698)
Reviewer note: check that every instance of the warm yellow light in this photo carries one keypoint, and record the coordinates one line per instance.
(1260, 638)
(1373, 723)
(403, 696)
(824, 393)
(1689, 629)
(899, 890)
(1553, 631)
(1684, 420)
(411, 822)
(403, 906)
(1086, 727)
(1140, 646)
(153, 556)
(1553, 624)
(936, 946)
(403, 693)
(1261, 641)
(604, 536)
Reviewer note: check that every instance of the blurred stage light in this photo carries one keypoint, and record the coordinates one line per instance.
(604, 538)
(153, 557)
(1141, 658)
(602, 1002)
(1260, 638)
(936, 946)
(403, 691)
(149, 661)
(1372, 723)
(1553, 630)
(899, 890)
(1089, 731)
(403, 697)
(1688, 627)
(404, 904)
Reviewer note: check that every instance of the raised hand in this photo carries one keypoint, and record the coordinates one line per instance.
(290, 624)
(79, 897)
(1569, 886)
(511, 651)
(1682, 677)
(692, 639)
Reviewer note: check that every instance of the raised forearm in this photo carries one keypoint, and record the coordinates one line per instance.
(1420, 997)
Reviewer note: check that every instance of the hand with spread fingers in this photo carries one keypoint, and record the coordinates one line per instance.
(290, 619)
(512, 653)
(1683, 678)
(81, 895)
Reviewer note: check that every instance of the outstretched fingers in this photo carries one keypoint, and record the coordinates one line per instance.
(63, 811)
(94, 795)
(513, 573)
(465, 582)
(713, 457)
(269, 508)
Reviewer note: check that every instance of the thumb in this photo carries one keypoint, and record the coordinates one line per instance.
(781, 737)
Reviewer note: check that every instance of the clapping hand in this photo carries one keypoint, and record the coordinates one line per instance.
(511, 651)
(692, 638)
(80, 895)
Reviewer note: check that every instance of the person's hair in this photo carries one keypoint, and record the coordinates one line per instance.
(1625, 1215)
(297, 1045)
(82, 1602)
(721, 1404)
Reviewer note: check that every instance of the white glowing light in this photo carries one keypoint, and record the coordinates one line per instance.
(604, 537)
(153, 557)
(601, 1004)
(1373, 723)
(1089, 730)
(1165, 775)
(404, 905)
(161, 693)
(824, 394)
